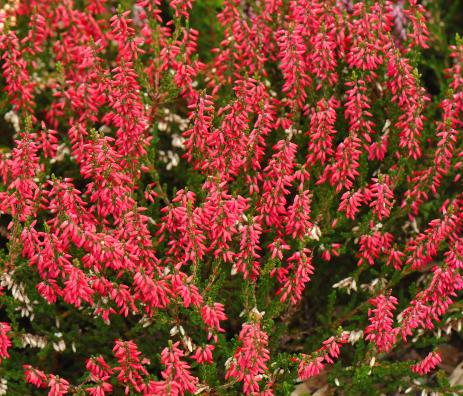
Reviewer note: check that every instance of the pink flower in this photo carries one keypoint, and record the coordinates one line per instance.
(298, 221)
(321, 132)
(58, 386)
(427, 364)
(181, 7)
(5, 341)
(380, 330)
(247, 259)
(419, 34)
(373, 245)
(98, 367)
(212, 315)
(278, 176)
(204, 354)
(35, 377)
(293, 65)
(249, 361)
(381, 197)
(131, 368)
(177, 379)
(294, 277)
(350, 203)
(312, 365)
(277, 247)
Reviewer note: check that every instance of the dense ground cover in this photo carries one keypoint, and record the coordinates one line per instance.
(230, 197)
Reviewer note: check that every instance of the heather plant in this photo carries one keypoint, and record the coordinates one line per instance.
(230, 197)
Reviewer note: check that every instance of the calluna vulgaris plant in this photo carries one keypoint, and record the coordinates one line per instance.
(226, 198)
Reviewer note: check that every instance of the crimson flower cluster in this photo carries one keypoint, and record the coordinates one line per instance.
(195, 196)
